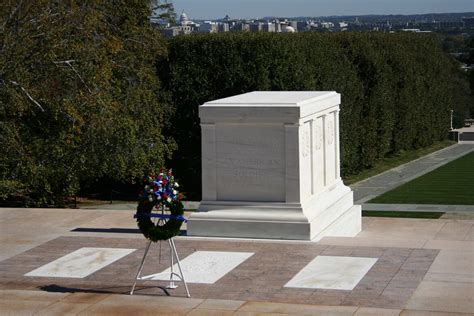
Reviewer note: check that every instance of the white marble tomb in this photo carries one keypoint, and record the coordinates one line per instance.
(271, 168)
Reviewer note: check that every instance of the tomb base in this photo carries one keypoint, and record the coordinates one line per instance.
(330, 213)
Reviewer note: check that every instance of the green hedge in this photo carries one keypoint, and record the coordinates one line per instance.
(396, 89)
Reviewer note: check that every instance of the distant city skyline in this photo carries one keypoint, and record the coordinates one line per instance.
(217, 9)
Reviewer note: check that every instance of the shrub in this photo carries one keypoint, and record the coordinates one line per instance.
(396, 89)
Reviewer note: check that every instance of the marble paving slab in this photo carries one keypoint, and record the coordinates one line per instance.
(80, 263)
(204, 266)
(390, 282)
(332, 272)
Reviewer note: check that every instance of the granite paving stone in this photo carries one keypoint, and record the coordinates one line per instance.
(63, 308)
(369, 311)
(21, 307)
(443, 296)
(454, 231)
(408, 312)
(209, 312)
(261, 277)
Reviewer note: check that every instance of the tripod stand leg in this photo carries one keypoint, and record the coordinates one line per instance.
(171, 285)
(173, 250)
(141, 267)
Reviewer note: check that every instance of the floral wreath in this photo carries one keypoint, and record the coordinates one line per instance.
(160, 193)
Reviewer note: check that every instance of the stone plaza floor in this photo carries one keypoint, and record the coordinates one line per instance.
(68, 262)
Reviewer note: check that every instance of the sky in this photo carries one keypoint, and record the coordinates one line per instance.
(214, 9)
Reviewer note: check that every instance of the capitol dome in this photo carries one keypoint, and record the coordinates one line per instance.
(289, 29)
(183, 17)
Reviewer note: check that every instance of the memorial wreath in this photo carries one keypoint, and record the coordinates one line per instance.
(160, 195)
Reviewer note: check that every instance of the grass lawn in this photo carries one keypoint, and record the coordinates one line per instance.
(452, 183)
(435, 215)
(396, 160)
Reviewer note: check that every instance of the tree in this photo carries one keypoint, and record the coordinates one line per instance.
(163, 10)
(78, 96)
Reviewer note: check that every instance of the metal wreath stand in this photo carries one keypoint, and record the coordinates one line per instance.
(173, 256)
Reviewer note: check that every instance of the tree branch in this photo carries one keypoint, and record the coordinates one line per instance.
(68, 62)
(14, 11)
(28, 95)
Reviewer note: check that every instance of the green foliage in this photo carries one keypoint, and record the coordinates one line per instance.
(163, 10)
(401, 214)
(159, 230)
(397, 89)
(78, 96)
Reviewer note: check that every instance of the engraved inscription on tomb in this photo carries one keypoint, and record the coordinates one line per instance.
(318, 135)
(306, 142)
(251, 171)
(330, 129)
(318, 155)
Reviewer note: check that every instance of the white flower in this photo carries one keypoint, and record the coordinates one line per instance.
(158, 197)
(150, 198)
(176, 185)
(175, 192)
(168, 200)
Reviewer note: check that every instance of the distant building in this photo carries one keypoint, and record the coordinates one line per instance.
(171, 31)
(183, 18)
(209, 27)
(256, 27)
(293, 24)
(277, 26)
(185, 26)
(223, 27)
(465, 135)
(302, 26)
(288, 29)
(327, 25)
(244, 27)
(268, 27)
(414, 31)
(177, 30)
(160, 23)
(414, 23)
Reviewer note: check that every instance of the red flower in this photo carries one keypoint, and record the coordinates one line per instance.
(164, 196)
(165, 182)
